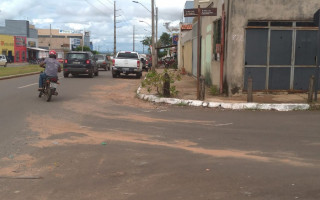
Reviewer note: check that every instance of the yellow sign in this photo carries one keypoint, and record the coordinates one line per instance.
(6, 44)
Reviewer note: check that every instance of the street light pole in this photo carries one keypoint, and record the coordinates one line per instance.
(82, 38)
(156, 35)
(153, 42)
(317, 61)
(198, 53)
(114, 31)
(133, 37)
(145, 23)
(141, 5)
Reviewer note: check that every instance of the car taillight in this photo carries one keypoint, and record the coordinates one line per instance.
(104, 63)
(88, 62)
(113, 62)
(66, 61)
(138, 63)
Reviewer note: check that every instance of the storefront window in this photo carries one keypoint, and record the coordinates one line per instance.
(23, 56)
(216, 37)
(17, 56)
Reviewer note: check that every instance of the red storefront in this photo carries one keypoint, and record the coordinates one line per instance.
(20, 49)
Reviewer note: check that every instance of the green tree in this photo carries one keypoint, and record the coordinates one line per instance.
(95, 52)
(165, 39)
(162, 53)
(85, 48)
(146, 42)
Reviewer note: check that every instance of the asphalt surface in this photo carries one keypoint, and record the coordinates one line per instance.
(96, 140)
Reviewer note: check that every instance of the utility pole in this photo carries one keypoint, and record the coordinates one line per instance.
(152, 39)
(133, 38)
(317, 72)
(157, 35)
(198, 53)
(115, 31)
(82, 38)
(50, 38)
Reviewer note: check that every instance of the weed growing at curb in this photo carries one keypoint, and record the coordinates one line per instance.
(182, 104)
(155, 81)
(214, 90)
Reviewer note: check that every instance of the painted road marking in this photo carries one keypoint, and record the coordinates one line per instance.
(28, 85)
(224, 124)
(32, 84)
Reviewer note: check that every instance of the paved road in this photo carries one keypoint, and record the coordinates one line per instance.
(97, 141)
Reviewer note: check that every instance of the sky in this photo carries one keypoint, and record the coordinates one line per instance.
(96, 16)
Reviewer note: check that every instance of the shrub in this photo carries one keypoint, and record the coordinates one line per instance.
(214, 90)
(155, 81)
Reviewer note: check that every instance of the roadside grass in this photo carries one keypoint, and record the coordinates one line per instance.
(8, 71)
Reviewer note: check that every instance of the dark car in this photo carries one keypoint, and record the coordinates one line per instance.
(80, 63)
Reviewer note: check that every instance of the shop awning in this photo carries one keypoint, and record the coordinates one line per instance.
(37, 49)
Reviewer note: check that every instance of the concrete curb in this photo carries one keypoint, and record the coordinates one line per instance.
(18, 75)
(232, 106)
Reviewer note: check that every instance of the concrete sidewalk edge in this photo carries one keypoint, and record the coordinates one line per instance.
(233, 106)
(18, 75)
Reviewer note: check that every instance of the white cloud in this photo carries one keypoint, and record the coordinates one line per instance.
(95, 16)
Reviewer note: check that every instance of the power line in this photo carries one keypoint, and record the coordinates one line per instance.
(95, 7)
(109, 1)
(105, 5)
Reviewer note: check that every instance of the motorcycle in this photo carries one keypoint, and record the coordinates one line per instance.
(49, 88)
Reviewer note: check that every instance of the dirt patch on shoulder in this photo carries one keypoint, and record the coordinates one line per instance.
(89, 136)
(123, 93)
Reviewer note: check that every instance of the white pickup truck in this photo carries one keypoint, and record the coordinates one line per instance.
(127, 63)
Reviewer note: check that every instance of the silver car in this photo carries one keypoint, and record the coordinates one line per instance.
(3, 60)
(102, 61)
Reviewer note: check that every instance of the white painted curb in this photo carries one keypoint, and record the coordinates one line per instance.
(232, 106)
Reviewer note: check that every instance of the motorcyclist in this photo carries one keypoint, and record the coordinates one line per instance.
(52, 68)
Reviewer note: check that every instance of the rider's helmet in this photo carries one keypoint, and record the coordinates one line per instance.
(52, 54)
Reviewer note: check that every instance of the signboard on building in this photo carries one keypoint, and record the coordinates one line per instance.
(203, 12)
(31, 44)
(69, 32)
(4, 43)
(20, 41)
(186, 27)
(7, 45)
(208, 12)
(175, 39)
(190, 12)
(74, 43)
(20, 49)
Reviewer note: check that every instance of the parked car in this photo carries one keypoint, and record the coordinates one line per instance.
(9, 59)
(149, 59)
(144, 61)
(80, 63)
(3, 60)
(127, 63)
(60, 60)
(103, 61)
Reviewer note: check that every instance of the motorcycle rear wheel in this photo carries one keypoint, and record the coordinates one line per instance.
(48, 94)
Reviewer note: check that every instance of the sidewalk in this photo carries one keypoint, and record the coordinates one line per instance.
(187, 95)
